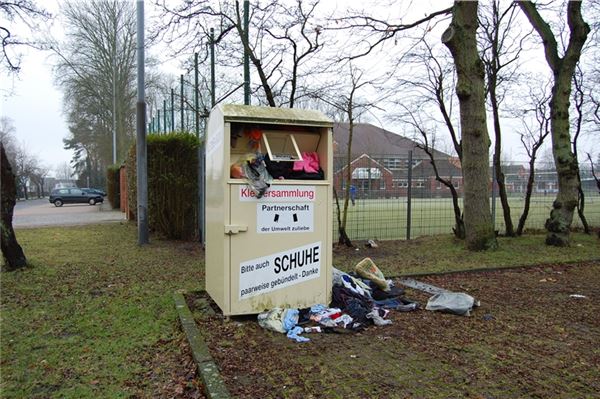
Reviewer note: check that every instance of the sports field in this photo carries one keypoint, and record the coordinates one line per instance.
(386, 219)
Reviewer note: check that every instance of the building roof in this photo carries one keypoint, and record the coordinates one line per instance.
(446, 168)
(373, 140)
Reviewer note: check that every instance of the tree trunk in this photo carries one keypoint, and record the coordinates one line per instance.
(530, 181)
(461, 41)
(11, 250)
(510, 231)
(558, 224)
(342, 235)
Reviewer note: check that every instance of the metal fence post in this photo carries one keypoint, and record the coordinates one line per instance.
(494, 194)
(200, 160)
(409, 196)
(181, 105)
(165, 116)
(172, 110)
(158, 118)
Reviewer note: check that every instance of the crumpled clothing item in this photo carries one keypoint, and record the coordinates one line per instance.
(317, 308)
(342, 297)
(379, 294)
(351, 284)
(278, 319)
(309, 163)
(377, 319)
(401, 305)
(452, 302)
(256, 174)
(294, 334)
(355, 284)
(290, 319)
(344, 320)
(325, 313)
(358, 310)
(367, 269)
(314, 329)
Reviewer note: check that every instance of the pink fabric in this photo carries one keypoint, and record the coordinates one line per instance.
(309, 163)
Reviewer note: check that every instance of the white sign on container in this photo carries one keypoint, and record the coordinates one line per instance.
(284, 218)
(276, 271)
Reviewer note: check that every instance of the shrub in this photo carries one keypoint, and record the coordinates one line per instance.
(172, 184)
(131, 182)
(113, 191)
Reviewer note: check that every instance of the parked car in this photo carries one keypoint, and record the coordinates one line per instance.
(74, 195)
(94, 191)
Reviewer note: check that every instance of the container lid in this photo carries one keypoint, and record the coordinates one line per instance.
(288, 116)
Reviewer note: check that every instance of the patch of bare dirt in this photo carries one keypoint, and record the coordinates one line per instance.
(169, 372)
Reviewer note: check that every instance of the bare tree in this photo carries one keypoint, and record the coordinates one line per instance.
(18, 12)
(38, 179)
(96, 69)
(353, 107)
(460, 38)
(501, 51)
(63, 171)
(282, 41)
(423, 142)
(596, 178)
(7, 137)
(578, 97)
(559, 223)
(533, 138)
(432, 90)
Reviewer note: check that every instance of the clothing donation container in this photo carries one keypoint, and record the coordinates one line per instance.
(268, 208)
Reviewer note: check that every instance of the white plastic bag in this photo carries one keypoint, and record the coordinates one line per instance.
(452, 302)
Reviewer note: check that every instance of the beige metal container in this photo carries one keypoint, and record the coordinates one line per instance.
(274, 251)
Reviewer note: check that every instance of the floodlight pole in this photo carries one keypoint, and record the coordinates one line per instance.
(212, 67)
(114, 101)
(246, 53)
(141, 152)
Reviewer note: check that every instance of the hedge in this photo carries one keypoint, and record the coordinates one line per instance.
(172, 184)
(113, 187)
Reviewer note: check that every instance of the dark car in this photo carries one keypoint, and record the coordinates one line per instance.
(74, 195)
(94, 191)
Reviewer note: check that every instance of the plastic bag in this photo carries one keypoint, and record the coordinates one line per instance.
(452, 302)
(368, 270)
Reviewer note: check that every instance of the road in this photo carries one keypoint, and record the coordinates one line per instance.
(40, 212)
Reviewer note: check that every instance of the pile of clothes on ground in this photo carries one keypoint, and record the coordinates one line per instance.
(359, 299)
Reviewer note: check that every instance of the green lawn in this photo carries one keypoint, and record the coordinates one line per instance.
(385, 219)
(81, 321)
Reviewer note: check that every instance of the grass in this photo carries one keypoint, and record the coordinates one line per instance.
(385, 219)
(80, 321)
(86, 318)
(444, 253)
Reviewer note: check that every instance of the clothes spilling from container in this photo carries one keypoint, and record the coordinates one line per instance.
(356, 304)
(252, 168)
(309, 168)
